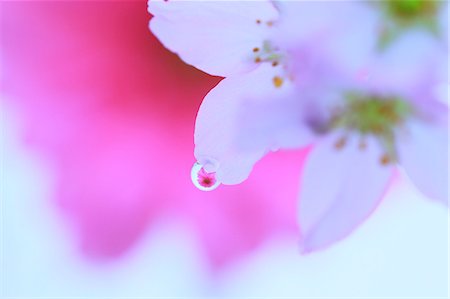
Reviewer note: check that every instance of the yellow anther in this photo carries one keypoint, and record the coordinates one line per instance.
(340, 143)
(385, 159)
(255, 49)
(277, 81)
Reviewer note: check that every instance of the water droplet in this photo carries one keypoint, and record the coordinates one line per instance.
(205, 181)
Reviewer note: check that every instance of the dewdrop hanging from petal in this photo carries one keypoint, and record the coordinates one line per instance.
(203, 180)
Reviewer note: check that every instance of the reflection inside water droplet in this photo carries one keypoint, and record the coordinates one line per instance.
(205, 181)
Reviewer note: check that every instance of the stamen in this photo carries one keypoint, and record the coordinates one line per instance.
(255, 49)
(275, 63)
(340, 143)
(258, 59)
(362, 145)
(277, 81)
(385, 160)
(258, 21)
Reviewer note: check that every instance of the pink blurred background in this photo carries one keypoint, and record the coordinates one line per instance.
(114, 112)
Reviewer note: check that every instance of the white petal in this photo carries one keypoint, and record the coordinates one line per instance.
(218, 123)
(217, 37)
(334, 28)
(423, 154)
(413, 60)
(339, 190)
(274, 122)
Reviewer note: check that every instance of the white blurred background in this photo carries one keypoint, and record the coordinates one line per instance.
(401, 251)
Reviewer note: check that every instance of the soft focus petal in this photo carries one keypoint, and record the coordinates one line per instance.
(338, 190)
(336, 34)
(218, 126)
(274, 122)
(423, 154)
(415, 61)
(217, 37)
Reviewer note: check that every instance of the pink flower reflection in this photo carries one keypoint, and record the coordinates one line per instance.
(206, 179)
(106, 104)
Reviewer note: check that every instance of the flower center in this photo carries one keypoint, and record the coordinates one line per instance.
(268, 53)
(372, 115)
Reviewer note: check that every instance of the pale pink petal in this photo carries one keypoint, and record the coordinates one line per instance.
(217, 37)
(352, 44)
(335, 34)
(423, 154)
(414, 59)
(275, 122)
(339, 189)
(218, 126)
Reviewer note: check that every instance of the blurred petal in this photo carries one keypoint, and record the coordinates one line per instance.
(274, 122)
(339, 190)
(347, 46)
(424, 156)
(217, 125)
(217, 37)
(414, 60)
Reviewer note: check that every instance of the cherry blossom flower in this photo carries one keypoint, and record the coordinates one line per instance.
(256, 46)
(367, 109)
(392, 118)
(219, 37)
